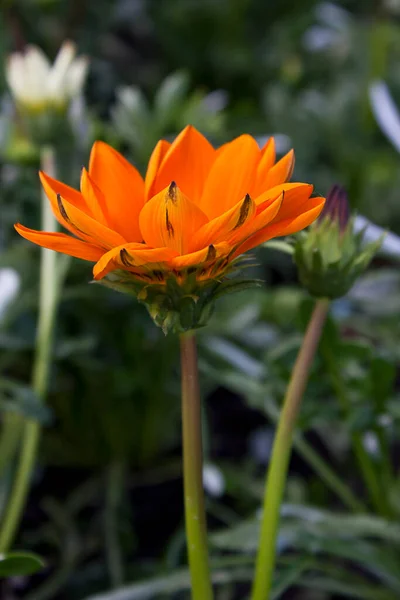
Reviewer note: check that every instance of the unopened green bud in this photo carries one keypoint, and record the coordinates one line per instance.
(330, 256)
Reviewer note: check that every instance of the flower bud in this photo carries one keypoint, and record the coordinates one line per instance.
(330, 256)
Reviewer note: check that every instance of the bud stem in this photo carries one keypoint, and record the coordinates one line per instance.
(278, 467)
(195, 517)
(48, 300)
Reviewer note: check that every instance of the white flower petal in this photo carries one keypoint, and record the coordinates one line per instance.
(37, 69)
(57, 81)
(35, 82)
(15, 74)
(76, 76)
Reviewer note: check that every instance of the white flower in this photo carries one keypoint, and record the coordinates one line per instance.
(36, 83)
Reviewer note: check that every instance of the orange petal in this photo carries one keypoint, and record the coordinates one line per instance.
(219, 228)
(131, 256)
(60, 242)
(94, 197)
(296, 200)
(265, 216)
(280, 172)
(53, 188)
(67, 192)
(295, 196)
(122, 187)
(188, 162)
(266, 162)
(170, 220)
(155, 161)
(231, 176)
(87, 228)
(286, 227)
(204, 256)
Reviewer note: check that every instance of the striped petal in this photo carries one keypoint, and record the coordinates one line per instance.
(220, 228)
(170, 220)
(131, 256)
(296, 199)
(231, 176)
(204, 256)
(187, 161)
(60, 242)
(122, 186)
(286, 227)
(87, 228)
(265, 216)
(53, 189)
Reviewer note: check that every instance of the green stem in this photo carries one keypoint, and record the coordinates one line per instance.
(367, 468)
(48, 299)
(195, 516)
(277, 472)
(115, 482)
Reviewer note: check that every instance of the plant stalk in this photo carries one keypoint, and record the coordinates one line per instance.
(277, 471)
(195, 517)
(48, 300)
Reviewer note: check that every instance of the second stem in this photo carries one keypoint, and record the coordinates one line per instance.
(281, 451)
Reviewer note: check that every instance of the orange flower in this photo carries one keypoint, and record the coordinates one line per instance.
(197, 209)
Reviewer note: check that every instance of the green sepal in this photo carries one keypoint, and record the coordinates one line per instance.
(330, 260)
(178, 305)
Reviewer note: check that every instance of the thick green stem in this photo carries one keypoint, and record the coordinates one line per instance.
(195, 517)
(114, 483)
(277, 472)
(48, 298)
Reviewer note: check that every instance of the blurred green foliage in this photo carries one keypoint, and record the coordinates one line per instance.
(300, 71)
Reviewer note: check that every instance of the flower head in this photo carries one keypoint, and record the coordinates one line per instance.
(331, 256)
(37, 85)
(178, 232)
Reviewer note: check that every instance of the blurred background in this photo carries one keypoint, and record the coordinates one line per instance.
(105, 508)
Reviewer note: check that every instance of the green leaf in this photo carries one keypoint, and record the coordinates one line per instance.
(382, 377)
(365, 540)
(20, 563)
(21, 399)
(170, 96)
(224, 571)
(279, 245)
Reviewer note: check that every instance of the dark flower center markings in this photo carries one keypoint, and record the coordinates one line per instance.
(244, 211)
